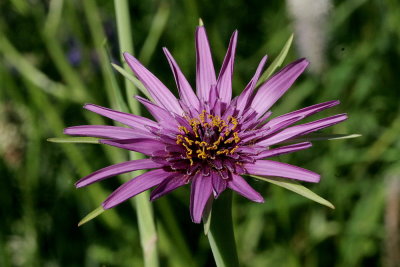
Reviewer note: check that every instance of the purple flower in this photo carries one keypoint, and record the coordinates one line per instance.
(205, 138)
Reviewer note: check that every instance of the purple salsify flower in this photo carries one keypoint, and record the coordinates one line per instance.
(205, 138)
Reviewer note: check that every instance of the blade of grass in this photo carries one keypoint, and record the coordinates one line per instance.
(157, 27)
(29, 71)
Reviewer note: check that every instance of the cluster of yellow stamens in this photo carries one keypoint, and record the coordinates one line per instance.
(220, 136)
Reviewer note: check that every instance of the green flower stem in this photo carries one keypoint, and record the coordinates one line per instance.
(144, 211)
(221, 236)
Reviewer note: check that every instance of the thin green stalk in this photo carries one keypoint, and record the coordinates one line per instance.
(221, 235)
(126, 45)
(147, 229)
(156, 29)
(98, 36)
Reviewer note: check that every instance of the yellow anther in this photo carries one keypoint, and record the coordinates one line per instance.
(201, 153)
(225, 151)
(190, 151)
(234, 122)
(234, 149)
(190, 142)
(183, 128)
(202, 115)
(228, 141)
(236, 137)
(220, 138)
(179, 139)
(191, 161)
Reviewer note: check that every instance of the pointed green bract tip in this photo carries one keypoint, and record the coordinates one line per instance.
(201, 22)
(84, 140)
(294, 186)
(92, 215)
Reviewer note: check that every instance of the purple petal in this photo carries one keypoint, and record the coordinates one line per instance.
(205, 72)
(239, 185)
(302, 113)
(160, 93)
(124, 118)
(283, 150)
(281, 124)
(277, 85)
(274, 168)
(116, 169)
(213, 99)
(303, 129)
(135, 186)
(224, 83)
(185, 90)
(245, 95)
(169, 184)
(159, 113)
(200, 193)
(105, 131)
(143, 145)
(218, 184)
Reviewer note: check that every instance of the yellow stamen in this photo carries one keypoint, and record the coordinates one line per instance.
(183, 128)
(234, 149)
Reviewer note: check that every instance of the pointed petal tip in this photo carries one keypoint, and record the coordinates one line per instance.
(261, 200)
(126, 55)
(79, 185)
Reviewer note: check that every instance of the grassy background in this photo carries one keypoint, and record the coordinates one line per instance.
(51, 63)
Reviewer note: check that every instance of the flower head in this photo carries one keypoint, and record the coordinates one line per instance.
(206, 139)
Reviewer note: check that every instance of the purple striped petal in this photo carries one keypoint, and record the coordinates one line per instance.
(185, 90)
(135, 186)
(224, 83)
(277, 85)
(302, 129)
(200, 192)
(218, 184)
(160, 93)
(169, 184)
(283, 150)
(124, 118)
(281, 124)
(116, 169)
(302, 113)
(105, 131)
(239, 185)
(205, 72)
(143, 145)
(157, 112)
(245, 95)
(274, 168)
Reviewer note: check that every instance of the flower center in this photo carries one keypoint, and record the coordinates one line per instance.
(208, 136)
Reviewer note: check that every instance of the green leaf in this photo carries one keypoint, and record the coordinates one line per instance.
(133, 79)
(277, 62)
(85, 140)
(92, 215)
(320, 137)
(294, 186)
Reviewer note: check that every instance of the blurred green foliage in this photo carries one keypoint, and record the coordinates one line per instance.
(53, 58)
